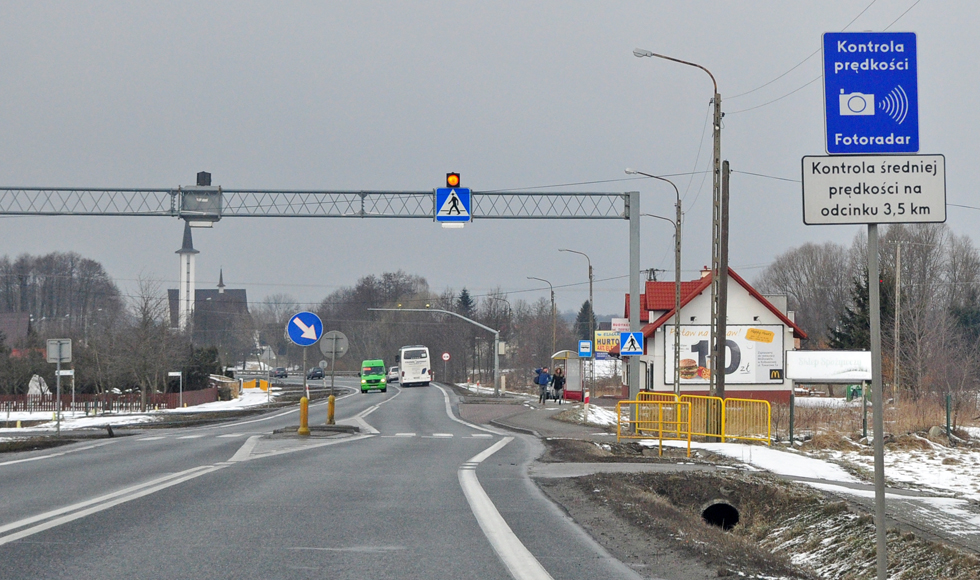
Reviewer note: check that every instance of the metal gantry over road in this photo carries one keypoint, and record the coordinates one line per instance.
(203, 204)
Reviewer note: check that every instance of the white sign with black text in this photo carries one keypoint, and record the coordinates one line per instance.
(874, 189)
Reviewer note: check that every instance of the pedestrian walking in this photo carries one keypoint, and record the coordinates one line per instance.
(544, 379)
(558, 384)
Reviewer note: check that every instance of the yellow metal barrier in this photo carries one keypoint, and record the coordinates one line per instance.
(664, 420)
(707, 415)
(748, 419)
(663, 416)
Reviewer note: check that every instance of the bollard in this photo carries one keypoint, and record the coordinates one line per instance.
(331, 405)
(304, 417)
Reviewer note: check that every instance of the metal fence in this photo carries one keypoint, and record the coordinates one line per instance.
(709, 417)
(663, 420)
(108, 402)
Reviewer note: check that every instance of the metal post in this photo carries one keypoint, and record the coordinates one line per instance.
(716, 212)
(898, 320)
(57, 405)
(496, 363)
(877, 399)
(634, 217)
(180, 397)
(306, 388)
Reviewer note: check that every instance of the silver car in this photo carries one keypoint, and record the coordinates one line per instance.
(392, 375)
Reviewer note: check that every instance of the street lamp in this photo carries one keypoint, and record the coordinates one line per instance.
(591, 309)
(719, 237)
(554, 323)
(677, 274)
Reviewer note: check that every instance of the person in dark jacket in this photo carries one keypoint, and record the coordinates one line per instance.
(558, 384)
(543, 380)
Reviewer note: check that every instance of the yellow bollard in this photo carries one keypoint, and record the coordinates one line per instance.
(304, 417)
(331, 405)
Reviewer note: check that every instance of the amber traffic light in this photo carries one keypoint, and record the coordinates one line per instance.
(452, 180)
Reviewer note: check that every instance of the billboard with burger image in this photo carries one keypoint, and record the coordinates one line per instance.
(754, 354)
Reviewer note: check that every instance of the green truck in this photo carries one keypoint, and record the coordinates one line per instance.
(373, 376)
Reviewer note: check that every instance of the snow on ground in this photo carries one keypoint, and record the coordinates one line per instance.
(78, 420)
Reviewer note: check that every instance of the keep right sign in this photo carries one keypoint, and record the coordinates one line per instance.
(874, 189)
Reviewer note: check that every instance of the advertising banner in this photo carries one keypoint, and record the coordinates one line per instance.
(828, 366)
(754, 354)
(605, 340)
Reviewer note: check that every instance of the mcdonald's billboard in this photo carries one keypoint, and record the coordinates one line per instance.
(754, 355)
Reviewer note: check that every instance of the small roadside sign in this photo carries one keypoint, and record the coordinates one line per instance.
(59, 350)
(334, 344)
(304, 328)
(620, 325)
(66, 372)
(874, 189)
(445, 356)
(585, 349)
(631, 343)
(453, 204)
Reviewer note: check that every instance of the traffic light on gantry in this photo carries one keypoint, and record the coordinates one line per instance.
(452, 180)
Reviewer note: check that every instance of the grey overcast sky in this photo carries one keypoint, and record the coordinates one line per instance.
(392, 95)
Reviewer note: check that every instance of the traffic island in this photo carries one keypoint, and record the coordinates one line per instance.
(317, 431)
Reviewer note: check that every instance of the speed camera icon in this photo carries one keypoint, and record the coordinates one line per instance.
(853, 104)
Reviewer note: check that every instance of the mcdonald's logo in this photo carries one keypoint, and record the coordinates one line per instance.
(775, 374)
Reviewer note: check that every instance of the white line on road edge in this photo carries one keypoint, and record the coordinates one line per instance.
(520, 562)
(100, 503)
(59, 454)
(449, 412)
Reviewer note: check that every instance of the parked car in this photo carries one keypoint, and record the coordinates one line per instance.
(278, 373)
(315, 373)
(393, 375)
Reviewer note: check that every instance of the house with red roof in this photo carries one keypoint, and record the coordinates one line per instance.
(760, 330)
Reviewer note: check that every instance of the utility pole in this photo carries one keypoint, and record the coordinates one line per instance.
(721, 324)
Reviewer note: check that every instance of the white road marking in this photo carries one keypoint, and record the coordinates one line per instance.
(441, 435)
(191, 436)
(520, 562)
(230, 435)
(98, 504)
(449, 413)
(404, 434)
(59, 454)
(481, 435)
(151, 438)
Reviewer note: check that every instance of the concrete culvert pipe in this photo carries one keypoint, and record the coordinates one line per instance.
(721, 514)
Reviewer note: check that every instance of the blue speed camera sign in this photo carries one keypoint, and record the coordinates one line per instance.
(871, 93)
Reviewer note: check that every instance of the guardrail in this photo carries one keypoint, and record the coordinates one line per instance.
(725, 419)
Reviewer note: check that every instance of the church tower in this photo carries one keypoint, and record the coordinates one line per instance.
(187, 255)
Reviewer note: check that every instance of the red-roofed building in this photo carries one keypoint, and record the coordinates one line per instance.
(760, 330)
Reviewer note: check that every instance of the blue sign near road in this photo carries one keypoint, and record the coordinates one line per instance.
(630, 343)
(585, 349)
(871, 92)
(453, 204)
(304, 328)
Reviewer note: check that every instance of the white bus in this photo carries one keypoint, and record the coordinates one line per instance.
(414, 366)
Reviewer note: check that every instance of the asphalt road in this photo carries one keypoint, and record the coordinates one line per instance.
(416, 494)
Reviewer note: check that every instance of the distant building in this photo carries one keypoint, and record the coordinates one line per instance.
(215, 312)
(15, 327)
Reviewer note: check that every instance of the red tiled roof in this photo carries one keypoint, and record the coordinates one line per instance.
(660, 296)
(688, 291)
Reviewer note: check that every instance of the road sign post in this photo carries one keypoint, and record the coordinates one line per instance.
(871, 93)
(445, 365)
(58, 351)
(335, 345)
(304, 329)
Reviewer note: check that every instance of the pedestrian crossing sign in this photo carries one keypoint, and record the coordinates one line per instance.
(630, 343)
(453, 204)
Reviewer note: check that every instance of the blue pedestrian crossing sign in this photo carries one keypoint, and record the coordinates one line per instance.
(585, 349)
(453, 204)
(630, 343)
(304, 328)
(871, 92)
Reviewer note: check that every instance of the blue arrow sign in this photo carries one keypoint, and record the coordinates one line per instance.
(871, 92)
(453, 204)
(304, 328)
(631, 343)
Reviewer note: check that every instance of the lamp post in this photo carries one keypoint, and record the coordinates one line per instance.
(591, 312)
(554, 323)
(677, 274)
(719, 237)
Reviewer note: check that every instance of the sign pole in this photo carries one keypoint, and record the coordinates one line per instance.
(874, 305)
(57, 405)
(306, 387)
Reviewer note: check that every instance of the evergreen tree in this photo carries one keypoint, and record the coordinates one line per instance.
(854, 330)
(582, 322)
(465, 304)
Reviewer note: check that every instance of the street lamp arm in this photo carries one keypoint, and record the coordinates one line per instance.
(640, 53)
(579, 253)
(471, 321)
(660, 217)
(677, 192)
